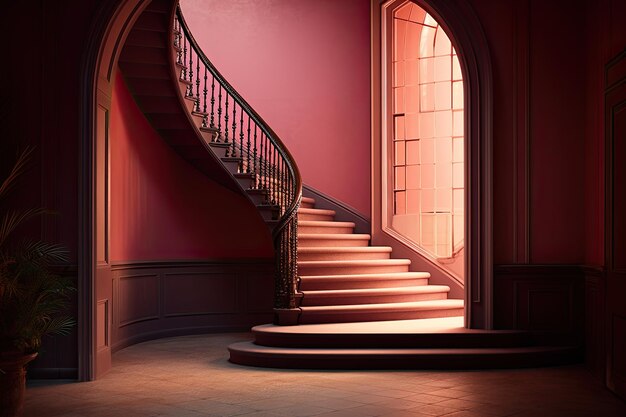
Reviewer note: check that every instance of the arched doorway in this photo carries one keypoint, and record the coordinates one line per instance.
(390, 167)
(108, 33)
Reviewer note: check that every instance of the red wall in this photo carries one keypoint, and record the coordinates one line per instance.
(162, 207)
(539, 108)
(305, 67)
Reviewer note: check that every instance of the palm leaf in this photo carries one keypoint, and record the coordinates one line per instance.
(18, 169)
(13, 219)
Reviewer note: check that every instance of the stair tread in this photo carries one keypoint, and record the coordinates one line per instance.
(355, 236)
(308, 200)
(325, 223)
(351, 352)
(357, 262)
(380, 275)
(422, 289)
(325, 249)
(403, 306)
(306, 210)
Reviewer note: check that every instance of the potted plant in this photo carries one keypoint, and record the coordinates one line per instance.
(32, 298)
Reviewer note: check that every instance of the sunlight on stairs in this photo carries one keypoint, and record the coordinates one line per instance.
(342, 279)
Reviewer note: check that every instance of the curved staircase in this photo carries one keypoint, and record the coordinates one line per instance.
(354, 304)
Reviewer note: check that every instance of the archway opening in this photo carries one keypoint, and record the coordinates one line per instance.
(425, 142)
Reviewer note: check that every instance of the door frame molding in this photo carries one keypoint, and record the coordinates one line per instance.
(111, 24)
(460, 21)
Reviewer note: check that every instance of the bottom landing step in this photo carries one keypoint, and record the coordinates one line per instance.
(248, 353)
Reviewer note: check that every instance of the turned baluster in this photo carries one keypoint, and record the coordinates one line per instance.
(219, 113)
(248, 170)
(205, 120)
(212, 125)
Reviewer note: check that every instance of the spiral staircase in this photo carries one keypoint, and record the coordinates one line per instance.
(339, 302)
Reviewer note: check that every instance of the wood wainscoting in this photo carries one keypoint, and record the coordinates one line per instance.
(157, 299)
(547, 300)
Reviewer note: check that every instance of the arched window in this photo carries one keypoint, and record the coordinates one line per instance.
(425, 138)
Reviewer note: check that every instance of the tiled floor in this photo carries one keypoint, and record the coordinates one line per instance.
(190, 377)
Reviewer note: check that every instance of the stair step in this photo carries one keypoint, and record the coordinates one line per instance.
(147, 39)
(332, 239)
(380, 280)
(269, 211)
(366, 266)
(324, 227)
(307, 202)
(446, 332)
(385, 311)
(143, 55)
(248, 353)
(315, 214)
(374, 295)
(151, 88)
(168, 121)
(157, 71)
(246, 180)
(339, 253)
(152, 21)
(219, 148)
(258, 196)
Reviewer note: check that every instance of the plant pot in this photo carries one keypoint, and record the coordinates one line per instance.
(13, 382)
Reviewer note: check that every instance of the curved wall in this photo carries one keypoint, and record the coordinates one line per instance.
(305, 67)
(187, 255)
(162, 207)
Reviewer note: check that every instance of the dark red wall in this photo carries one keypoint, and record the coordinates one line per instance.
(305, 67)
(162, 207)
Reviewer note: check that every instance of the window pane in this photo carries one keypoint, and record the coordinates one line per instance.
(442, 43)
(428, 179)
(398, 106)
(427, 69)
(443, 124)
(427, 97)
(412, 177)
(443, 68)
(400, 178)
(458, 123)
(456, 68)
(398, 73)
(399, 153)
(427, 125)
(400, 202)
(457, 94)
(443, 96)
(399, 128)
(413, 152)
(412, 71)
(427, 151)
(412, 201)
(412, 126)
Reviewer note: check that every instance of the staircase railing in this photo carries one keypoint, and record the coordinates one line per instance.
(250, 141)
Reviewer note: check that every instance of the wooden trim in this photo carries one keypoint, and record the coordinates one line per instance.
(109, 28)
(163, 298)
(521, 132)
(344, 211)
(164, 263)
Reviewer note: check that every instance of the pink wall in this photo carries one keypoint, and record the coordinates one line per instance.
(162, 207)
(304, 66)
